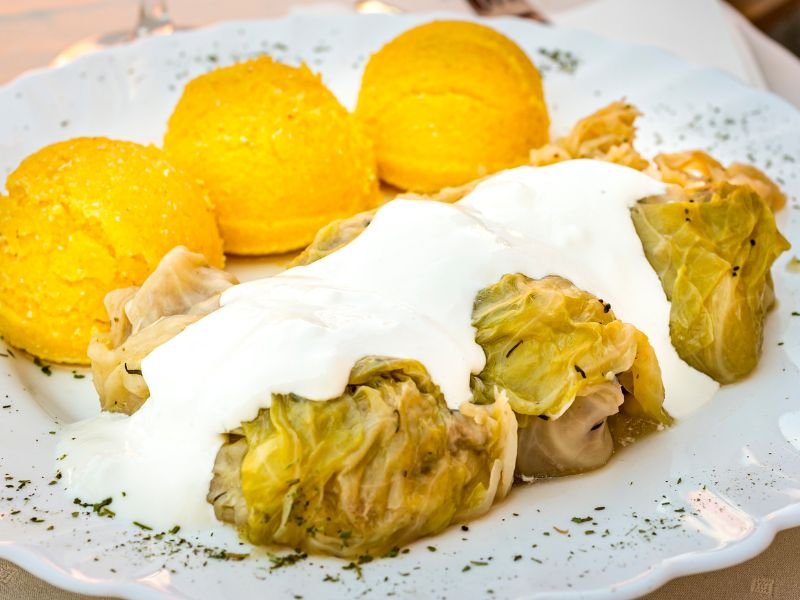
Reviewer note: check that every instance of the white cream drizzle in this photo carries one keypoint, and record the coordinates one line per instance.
(405, 288)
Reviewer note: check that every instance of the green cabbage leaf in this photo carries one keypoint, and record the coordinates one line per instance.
(713, 253)
(546, 342)
(360, 475)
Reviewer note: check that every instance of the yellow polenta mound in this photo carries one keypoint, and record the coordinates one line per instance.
(448, 102)
(82, 218)
(277, 153)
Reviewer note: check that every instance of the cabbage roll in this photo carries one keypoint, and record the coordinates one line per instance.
(567, 366)
(181, 290)
(713, 252)
(381, 466)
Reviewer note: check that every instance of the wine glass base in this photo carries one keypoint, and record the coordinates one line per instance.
(375, 7)
(92, 44)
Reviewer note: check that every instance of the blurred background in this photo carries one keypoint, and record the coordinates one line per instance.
(34, 32)
(779, 19)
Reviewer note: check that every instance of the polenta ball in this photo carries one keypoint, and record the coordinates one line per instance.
(84, 217)
(277, 153)
(448, 102)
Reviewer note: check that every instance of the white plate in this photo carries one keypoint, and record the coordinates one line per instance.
(710, 492)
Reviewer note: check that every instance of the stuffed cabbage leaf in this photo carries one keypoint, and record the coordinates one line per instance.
(181, 290)
(380, 466)
(713, 252)
(567, 365)
(546, 342)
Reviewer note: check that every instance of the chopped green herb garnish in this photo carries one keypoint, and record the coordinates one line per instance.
(581, 519)
(354, 567)
(224, 554)
(564, 60)
(284, 560)
(143, 526)
(44, 368)
(101, 508)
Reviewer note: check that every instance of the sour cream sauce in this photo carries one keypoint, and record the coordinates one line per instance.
(405, 288)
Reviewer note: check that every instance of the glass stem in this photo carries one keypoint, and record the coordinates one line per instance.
(153, 18)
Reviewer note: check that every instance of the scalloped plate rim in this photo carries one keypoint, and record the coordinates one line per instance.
(35, 561)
